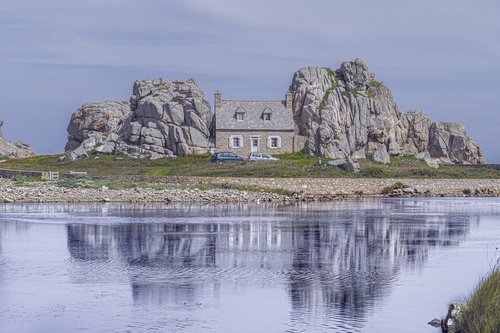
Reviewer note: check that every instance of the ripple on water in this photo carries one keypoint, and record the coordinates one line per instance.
(315, 268)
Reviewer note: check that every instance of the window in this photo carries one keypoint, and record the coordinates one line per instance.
(235, 141)
(267, 116)
(240, 116)
(274, 142)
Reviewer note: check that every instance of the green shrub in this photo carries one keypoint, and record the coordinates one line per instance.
(20, 180)
(331, 73)
(372, 172)
(395, 186)
(71, 183)
(423, 172)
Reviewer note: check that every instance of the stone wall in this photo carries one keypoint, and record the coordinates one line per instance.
(45, 175)
(288, 142)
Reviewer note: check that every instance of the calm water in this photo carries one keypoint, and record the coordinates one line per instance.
(364, 266)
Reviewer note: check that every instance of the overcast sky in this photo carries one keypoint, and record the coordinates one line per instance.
(439, 56)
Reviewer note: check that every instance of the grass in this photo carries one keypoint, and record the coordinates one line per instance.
(331, 73)
(293, 165)
(25, 181)
(334, 77)
(482, 314)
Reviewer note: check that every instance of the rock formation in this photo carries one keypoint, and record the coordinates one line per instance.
(14, 150)
(163, 118)
(343, 113)
(346, 113)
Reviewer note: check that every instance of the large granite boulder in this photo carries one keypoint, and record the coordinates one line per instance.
(163, 118)
(14, 150)
(449, 143)
(346, 113)
(95, 119)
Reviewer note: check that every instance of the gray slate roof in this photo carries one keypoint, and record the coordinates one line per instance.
(281, 117)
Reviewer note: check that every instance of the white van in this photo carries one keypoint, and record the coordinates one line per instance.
(261, 157)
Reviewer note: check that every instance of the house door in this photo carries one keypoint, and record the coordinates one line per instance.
(255, 144)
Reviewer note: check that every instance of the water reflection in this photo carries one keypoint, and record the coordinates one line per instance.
(335, 261)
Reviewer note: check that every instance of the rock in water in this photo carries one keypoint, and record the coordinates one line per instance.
(14, 150)
(163, 118)
(455, 313)
(347, 113)
(435, 322)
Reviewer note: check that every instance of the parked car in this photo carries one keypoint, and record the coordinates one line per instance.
(261, 157)
(226, 157)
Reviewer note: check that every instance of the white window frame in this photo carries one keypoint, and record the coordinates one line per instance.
(231, 141)
(240, 116)
(270, 142)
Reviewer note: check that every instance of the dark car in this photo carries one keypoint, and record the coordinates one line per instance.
(226, 157)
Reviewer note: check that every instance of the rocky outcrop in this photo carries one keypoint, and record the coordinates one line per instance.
(449, 142)
(96, 118)
(346, 113)
(451, 323)
(14, 150)
(163, 118)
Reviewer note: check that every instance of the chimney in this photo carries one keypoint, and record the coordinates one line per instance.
(217, 99)
(288, 100)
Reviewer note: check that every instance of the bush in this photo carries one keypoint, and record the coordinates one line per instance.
(20, 180)
(399, 186)
(423, 172)
(372, 172)
(395, 186)
(71, 183)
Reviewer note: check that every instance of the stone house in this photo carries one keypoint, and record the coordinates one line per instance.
(245, 126)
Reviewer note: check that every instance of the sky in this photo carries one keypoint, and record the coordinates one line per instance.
(442, 57)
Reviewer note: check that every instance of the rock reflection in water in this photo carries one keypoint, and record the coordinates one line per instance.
(331, 259)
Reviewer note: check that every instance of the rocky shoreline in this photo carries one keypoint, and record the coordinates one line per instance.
(51, 192)
(345, 187)
(236, 190)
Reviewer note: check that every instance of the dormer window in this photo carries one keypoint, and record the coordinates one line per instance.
(240, 116)
(266, 114)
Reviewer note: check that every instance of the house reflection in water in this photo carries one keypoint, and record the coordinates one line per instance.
(328, 258)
